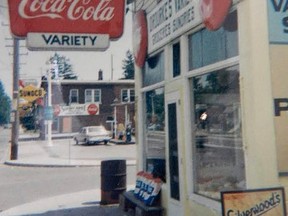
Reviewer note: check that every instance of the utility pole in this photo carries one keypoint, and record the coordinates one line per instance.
(15, 113)
(49, 121)
(14, 116)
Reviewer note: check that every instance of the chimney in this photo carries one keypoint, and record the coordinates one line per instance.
(100, 75)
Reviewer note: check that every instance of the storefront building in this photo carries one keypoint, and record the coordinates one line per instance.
(77, 104)
(211, 98)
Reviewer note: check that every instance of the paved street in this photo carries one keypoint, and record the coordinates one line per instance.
(63, 179)
(20, 185)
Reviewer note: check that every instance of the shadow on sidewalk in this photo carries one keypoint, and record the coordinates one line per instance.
(96, 210)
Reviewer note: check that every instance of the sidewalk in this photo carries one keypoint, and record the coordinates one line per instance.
(85, 203)
(62, 153)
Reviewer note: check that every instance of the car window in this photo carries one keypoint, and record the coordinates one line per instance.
(96, 129)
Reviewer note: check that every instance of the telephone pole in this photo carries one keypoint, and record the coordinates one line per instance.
(15, 112)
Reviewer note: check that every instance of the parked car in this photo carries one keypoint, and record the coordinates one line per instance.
(93, 135)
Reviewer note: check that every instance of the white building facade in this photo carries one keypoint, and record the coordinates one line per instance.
(211, 100)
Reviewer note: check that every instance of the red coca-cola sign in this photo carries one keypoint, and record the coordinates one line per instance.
(92, 109)
(214, 12)
(140, 37)
(67, 16)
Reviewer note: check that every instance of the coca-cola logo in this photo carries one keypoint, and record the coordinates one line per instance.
(92, 109)
(214, 12)
(140, 38)
(67, 16)
(73, 10)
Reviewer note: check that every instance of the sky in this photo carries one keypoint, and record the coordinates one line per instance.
(86, 64)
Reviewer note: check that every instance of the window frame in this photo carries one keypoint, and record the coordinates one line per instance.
(130, 95)
(94, 93)
(214, 204)
(189, 75)
(71, 96)
(145, 87)
(203, 33)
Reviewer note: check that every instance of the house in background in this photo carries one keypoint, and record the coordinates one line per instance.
(85, 103)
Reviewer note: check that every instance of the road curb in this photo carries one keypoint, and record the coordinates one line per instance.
(27, 164)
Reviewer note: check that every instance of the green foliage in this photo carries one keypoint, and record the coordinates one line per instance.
(65, 70)
(128, 66)
(5, 104)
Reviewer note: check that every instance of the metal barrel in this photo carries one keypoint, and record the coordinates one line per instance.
(113, 181)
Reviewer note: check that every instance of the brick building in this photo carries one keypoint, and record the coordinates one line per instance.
(86, 103)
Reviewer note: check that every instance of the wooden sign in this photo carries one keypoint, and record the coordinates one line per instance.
(268, 202)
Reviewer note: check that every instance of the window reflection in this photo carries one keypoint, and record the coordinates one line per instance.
(218, 139)
(155, 132)
(155, 116)
(208, 47)
(154, 70)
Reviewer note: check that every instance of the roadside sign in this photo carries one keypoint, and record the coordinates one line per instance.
(92, 109)
(57, 41)
(73, 16)
(31, 93)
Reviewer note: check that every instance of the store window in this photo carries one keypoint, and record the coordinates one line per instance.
(218, 148)
(73, 97)
(92, 96)
(154, 70)
(218, 156)
(208, 47)
(154, 115)
(176, 60)
(127, 95)
(155, 131)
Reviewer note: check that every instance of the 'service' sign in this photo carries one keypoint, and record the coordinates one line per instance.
(67, 16)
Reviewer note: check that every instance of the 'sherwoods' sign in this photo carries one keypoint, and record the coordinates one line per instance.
(67, 16)
(268, 202)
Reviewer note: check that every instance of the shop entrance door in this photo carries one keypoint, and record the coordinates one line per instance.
(174, 162)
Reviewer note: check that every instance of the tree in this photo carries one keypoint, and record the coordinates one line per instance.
(5, 104)
(61, 68)
(128, 66)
